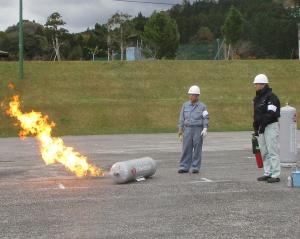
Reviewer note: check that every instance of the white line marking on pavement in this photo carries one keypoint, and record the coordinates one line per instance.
(230, 191)
(61, 186)
(207, 180)
(193, 182)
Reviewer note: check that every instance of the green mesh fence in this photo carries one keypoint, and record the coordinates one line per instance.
(200, 51)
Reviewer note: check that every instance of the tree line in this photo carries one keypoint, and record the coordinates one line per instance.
(250, 29)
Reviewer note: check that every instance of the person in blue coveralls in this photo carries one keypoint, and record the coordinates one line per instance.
(193, 125)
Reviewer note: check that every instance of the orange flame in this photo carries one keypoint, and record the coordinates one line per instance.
(52, 149)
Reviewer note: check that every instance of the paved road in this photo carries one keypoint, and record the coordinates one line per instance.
(223, 201)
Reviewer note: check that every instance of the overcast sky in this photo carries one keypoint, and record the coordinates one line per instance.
(78, 14)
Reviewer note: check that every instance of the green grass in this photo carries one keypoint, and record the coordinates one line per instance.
(142, 97)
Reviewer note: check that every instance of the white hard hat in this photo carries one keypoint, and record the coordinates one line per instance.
(261, 79)
(194, 90)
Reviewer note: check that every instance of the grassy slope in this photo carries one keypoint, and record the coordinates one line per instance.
(104, 98)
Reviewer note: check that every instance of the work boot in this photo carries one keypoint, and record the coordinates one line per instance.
(263, 178)
(182, 171)
(273, 180)
(195, 171)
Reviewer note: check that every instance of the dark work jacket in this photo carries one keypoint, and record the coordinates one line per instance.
(266, 109)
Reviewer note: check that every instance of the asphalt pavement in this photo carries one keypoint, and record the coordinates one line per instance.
(223, 201)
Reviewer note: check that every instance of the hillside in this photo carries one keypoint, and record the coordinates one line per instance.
(142, 97)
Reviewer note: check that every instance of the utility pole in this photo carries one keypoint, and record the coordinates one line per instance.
(299, 39)
(21, 42)
(218, 55)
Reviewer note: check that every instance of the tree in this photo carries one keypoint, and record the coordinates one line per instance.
(274, 34)
(270, 31)
(139, 23)
(94, 52)
(3, 40)
(119, 28)
(203, 35)
(35, 46)
(55, 32)
(233, 28)
(76, 53)
(161, 35)
(35, 42)
(100, 35)
(95, 42)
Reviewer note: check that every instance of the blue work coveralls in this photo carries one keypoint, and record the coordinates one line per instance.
(193, 118)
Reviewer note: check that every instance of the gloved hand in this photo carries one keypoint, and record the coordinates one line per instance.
(180, 134)
(204, 132)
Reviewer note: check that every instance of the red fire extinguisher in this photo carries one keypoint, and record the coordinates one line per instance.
(256, 151)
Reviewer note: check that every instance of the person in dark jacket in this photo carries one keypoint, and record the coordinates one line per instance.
(266, 127)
